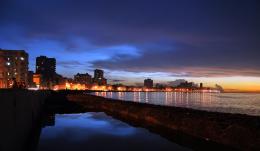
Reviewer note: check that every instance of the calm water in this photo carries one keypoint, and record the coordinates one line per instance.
(98, 132)
(244, 103)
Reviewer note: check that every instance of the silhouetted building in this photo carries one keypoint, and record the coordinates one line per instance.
(47, 68)
(30, 79)
(59, 79)
(148, 83)
(13, 68)
(186, 85)
(99, 77)
(201, 85)
(160, 86)
(83, 78)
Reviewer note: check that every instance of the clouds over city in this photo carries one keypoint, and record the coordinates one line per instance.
(181, 38)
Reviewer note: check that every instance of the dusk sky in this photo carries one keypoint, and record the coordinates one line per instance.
(209, 41)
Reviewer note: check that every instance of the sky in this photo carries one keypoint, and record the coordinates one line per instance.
(214, 42)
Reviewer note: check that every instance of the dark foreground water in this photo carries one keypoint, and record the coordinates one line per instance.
(98, 132)
(243, 103)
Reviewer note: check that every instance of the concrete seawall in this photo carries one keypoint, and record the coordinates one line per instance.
(235, 130)
(20, 113)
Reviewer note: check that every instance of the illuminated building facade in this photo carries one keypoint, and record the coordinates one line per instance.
(37, 79)
(148, 83)
(99, 77)
(46, 67)
(13, 68)
(83, 78)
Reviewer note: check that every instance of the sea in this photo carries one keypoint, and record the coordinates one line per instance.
(241, 103)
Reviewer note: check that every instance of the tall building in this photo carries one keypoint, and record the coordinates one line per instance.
(13, 68)
(201, 85)
(46, 67)
(148, 83)
(83, 78)
(99, 77)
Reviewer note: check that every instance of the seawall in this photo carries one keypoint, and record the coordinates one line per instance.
(234, 130)
(20, 112)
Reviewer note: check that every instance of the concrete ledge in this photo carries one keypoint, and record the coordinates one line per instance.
(19, 113)
(235, 130)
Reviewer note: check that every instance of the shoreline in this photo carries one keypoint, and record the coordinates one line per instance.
(200, 130)
(238, 131)
(205, 108)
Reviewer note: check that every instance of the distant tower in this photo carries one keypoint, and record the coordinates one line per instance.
(148, 83)
(46, 67)
(99, 77)
(201, 85)
(98, 74)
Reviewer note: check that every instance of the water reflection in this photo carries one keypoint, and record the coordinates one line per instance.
(97, 131)
(221, 102)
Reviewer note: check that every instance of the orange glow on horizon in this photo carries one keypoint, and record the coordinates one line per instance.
(232, 84)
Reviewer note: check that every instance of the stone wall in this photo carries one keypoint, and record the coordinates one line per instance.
(234, 130)
(19, 114)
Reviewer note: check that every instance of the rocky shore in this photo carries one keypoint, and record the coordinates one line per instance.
(236, 131)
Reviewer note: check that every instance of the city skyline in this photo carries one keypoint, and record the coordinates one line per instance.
(210, 42)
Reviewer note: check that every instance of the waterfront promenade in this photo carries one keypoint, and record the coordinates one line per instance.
(235, 130)
(22, 110)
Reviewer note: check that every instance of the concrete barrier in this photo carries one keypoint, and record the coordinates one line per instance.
(19, 112)
(235, 130)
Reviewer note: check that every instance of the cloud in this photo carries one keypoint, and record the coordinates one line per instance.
(179, 38)
(191, 61)
(69, 64)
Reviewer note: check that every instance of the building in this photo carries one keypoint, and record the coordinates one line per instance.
(148, 83)
(201, 85)
(159, 86)
(46, 67)
(186, 84)
(37, 79)
(60, 79)
(13, 68)
(99, 77)
(30, 79)
(83, 78)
